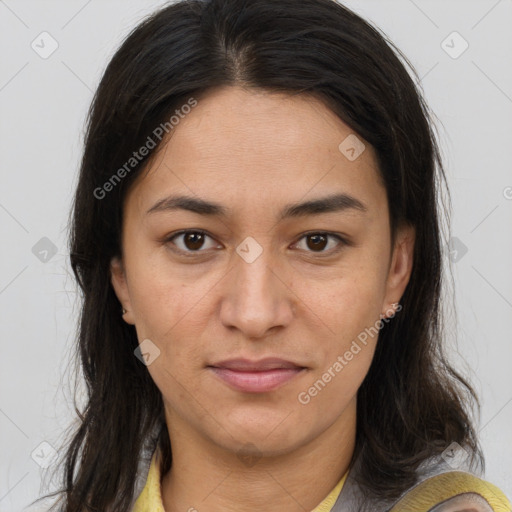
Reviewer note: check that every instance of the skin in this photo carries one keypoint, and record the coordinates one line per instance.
(255, 152)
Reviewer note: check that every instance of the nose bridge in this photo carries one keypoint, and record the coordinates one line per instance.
(256, 299)
(253, 278)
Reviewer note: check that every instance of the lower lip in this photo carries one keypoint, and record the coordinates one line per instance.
(257, 382)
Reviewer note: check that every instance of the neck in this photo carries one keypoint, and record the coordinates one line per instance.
(206, 476)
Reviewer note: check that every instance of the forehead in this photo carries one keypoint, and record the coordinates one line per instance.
(254, 146)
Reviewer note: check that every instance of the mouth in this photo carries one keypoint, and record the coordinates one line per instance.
(256, 376)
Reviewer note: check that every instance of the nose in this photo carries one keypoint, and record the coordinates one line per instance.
(257, 297)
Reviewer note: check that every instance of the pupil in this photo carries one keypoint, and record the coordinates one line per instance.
(319, 241)
(194, 240)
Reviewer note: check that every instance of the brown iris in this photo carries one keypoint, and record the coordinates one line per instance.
(193, 241)
(316, 242)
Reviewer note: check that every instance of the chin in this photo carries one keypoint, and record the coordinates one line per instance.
(260, 438)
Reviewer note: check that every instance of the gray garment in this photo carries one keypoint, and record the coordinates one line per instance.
(145, 462)
(351, 497)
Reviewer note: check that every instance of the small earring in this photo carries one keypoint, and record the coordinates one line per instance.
(394, 305)
(124, 311)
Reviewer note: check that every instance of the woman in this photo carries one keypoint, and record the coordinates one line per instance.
(256, 233)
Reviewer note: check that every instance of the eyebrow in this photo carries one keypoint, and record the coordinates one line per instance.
(328, 204)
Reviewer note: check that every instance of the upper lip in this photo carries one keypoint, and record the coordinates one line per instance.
(269, 363)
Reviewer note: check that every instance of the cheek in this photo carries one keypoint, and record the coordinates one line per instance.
(162, 301)
(350, 309)
(349, 304)
(171, 313)
(347, 349)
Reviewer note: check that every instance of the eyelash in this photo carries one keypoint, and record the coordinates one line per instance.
(342, 241)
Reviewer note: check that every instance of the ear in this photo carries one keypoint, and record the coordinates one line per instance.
(400, 268)
(118, 280)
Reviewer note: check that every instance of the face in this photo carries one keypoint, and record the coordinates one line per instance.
(255, 288)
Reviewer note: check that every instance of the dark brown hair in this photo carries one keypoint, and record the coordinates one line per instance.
(412, 404)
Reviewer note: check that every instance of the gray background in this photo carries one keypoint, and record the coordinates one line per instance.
(43, 103)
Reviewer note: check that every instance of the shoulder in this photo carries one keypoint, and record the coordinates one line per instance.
(453, 491)
(439, 487)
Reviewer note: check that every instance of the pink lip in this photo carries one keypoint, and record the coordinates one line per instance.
(256, 376)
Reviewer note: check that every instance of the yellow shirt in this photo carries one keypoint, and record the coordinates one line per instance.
(150, 499)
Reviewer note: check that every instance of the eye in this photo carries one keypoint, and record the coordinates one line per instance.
(194, 241)
(317, 242)
(191, 241)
